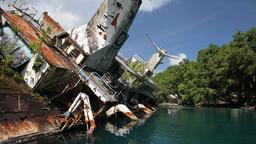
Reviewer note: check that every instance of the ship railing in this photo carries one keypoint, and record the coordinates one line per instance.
(123, 58)
(28, 12)
(137, 57)
(106, 85)
(107, 79)
(25, 8)
(95, 79)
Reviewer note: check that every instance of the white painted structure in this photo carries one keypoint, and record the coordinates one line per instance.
(106, 32)
(31, 77)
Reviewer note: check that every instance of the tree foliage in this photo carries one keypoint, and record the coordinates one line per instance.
(130, 78)
(5, 66)
(221, 74)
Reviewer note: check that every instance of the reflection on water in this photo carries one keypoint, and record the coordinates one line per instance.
(120, 131)
(170, 125)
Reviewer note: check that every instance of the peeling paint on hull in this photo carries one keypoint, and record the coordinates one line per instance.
(24, 128)
(29, 129)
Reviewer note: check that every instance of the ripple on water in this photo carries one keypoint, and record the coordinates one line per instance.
(181, 126)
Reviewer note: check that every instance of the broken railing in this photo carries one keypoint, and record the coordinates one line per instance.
(105, 82)
(24, 7)
(123, 58)
(100, 88)
(28, 12)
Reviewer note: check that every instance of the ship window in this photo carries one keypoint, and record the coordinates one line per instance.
(75, 53)
(70, 49)
(79, 58)
(15, 46)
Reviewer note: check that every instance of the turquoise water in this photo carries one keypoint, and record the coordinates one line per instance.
(176, 126)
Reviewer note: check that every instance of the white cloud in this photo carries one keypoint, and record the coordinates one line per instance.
(65, 18)
(181, 57)
(75, 13)
(68, 13)
(151, 5)
(79, 12)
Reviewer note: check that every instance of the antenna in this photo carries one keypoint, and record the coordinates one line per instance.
(171, 56)
(154, 44)
(159, 49)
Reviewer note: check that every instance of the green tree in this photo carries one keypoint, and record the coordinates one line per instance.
(221, 74)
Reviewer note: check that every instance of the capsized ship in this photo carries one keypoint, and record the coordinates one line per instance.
(79, 71)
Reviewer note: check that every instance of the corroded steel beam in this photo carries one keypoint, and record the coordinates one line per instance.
(88, 115)
(31, 126)
(123, 109)
(144, 109)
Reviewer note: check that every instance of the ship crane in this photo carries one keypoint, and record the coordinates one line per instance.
(83, 99)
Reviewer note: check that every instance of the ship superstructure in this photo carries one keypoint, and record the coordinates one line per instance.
(77, 66)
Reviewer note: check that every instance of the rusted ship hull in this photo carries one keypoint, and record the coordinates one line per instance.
(55, 65)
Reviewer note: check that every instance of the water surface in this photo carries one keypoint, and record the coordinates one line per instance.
(177, 126)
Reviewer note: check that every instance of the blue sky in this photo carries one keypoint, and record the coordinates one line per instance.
(187, 26)
(179, 26)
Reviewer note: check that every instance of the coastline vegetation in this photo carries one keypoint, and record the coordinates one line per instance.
(221, 75)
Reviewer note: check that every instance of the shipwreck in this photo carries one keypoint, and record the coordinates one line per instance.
(80, 71)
